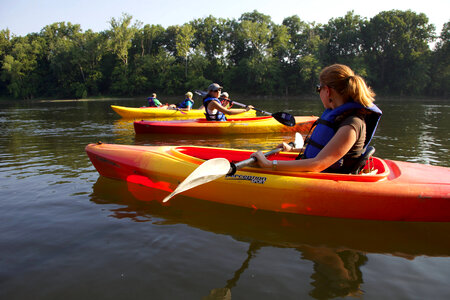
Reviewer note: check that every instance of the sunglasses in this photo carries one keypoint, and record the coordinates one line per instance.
(318, 88)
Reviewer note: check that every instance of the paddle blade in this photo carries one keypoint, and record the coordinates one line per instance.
(284, 118)
(299, 142)
(210, 170)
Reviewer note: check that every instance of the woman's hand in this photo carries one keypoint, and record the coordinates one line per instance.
(262, 161)
(248, 107)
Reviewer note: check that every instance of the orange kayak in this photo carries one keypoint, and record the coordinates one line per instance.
(395, 191)
(236, 126)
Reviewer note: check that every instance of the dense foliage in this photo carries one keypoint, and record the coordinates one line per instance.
(248, 55)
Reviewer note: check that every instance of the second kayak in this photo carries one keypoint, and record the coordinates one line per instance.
(235, 126)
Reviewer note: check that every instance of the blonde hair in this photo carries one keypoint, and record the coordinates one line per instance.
(351, 86)
(189, 94)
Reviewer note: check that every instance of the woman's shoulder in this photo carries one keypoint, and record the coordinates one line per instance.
(356, 121)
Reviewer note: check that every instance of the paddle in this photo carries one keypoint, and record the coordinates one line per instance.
(215, 168)
(182, 112)
(282, 117)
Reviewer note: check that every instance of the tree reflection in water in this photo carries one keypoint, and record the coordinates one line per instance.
(337, 247)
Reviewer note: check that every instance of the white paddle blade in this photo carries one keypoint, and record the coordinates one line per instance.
(298, 140)
(210, 170)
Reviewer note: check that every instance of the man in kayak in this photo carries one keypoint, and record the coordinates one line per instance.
(342, 132)
(225, 100)
(214, 110)
(153, 102)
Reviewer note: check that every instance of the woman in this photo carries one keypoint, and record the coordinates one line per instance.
(214, 111)
(186, 104)
(343, 131)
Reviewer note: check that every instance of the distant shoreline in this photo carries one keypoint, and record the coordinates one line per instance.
(174, 99)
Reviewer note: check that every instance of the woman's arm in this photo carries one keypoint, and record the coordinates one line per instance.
(214, 105)
(336, 148)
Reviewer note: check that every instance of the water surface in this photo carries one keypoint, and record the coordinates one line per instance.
(68, 233)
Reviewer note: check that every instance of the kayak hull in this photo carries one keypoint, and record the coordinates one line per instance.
(153, 112)
(236, 126)
(400, 191)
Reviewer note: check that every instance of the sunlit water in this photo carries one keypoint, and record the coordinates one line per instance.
(67, 233)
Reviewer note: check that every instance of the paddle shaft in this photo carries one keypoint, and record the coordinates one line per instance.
(244, 163)
(282, 117)
(257, 109)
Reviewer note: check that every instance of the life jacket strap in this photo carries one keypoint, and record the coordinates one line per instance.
(328, 123)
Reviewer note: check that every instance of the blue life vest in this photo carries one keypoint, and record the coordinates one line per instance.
(185, 103)
(218, 116)
(327, 126)
(151, 103)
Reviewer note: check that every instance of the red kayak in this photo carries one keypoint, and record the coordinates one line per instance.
(235, 126)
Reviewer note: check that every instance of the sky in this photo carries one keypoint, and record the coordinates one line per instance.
(22, 17)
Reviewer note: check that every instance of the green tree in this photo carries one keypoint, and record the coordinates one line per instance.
(121, 34)
(343, 40)
(5, 48)
(210, 37)
(301, 62)
(440, 64)
(183, 43)
(19, 66)
(62, 53)
(396, 43)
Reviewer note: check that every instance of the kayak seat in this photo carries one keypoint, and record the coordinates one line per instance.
(362, 161)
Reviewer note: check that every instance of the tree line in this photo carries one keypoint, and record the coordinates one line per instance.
(248, 55)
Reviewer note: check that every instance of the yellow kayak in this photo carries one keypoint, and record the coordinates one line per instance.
(153, 112)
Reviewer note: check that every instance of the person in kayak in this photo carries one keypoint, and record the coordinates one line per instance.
(225, 100)
(342, 132)
(214, 110)
(153, 102)
(186, 104)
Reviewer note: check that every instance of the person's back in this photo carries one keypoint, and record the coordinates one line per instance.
(153, 102)
(187, 103)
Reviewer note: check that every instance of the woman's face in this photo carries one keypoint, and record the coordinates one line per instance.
(324, 93)
(215, 93)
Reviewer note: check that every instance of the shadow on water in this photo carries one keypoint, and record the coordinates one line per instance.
(336, 247)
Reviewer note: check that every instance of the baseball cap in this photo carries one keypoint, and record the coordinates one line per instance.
(214, 87)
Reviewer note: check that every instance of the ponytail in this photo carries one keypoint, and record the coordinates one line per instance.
(352, 87)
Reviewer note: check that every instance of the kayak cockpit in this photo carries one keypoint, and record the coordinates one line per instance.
(375, 170)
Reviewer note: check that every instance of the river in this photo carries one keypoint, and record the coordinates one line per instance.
(67, 233)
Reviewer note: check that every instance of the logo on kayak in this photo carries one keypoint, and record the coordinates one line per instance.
(253, 179)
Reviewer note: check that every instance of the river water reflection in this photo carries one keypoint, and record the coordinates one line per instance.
(67, 232)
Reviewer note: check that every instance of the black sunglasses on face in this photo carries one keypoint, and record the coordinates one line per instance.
(318, 88)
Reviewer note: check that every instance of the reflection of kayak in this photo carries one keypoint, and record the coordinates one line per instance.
(399, 191)
(404, 239)
(244, 125)
(153, 112)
